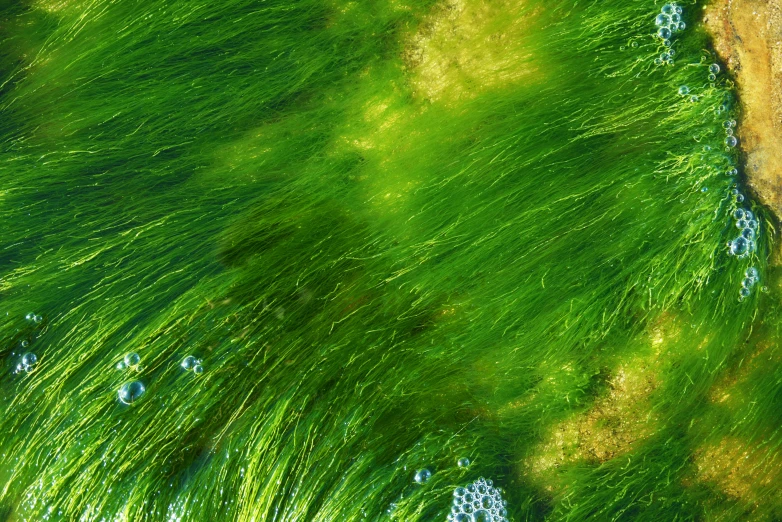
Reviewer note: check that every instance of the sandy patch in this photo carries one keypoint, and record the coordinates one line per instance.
(743, 473)
(467, 47)
(621, 418)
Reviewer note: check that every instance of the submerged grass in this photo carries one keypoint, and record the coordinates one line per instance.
(397, 233)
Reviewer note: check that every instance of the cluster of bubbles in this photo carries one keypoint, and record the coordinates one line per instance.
(27, 362)
(478, 502)
(131, 391)
(191, 363)
(729, 125)
(730, 140)
(668, 23)
(744, 219)
(33, 317)
(743, 245)
(131, 360)
(751, 277)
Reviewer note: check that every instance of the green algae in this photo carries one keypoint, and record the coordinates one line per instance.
(397, 234)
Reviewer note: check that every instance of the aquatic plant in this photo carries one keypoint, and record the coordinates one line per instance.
(391, 234)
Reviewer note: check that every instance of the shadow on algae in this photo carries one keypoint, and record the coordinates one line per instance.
(393, 235)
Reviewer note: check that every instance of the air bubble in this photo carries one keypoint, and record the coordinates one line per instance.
(682, 26)
(714, 68)
(739, 213)
(479, 501)
(745, 292)
(189, 362)
(748, 234)
(684, 90)
(422, 475)
(676, 18)
(733, 172)
(634, 44)
(132, 359)
(753, 273)
(463, 462)
(121, 366)
(741, 223)
(748, 215)
(662, 20)
(29, 360)
(712, 77)
(482, 516)
(752, 224)
(198, 369)
(131, 391)
(664, 33)
(739, 198)
(739, 246)
(668, 9)
(731, 141)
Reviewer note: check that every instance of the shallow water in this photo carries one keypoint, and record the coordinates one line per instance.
(393, 235)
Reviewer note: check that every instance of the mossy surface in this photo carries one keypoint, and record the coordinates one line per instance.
(397, 233)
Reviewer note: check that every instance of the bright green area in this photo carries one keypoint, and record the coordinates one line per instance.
(378, 278)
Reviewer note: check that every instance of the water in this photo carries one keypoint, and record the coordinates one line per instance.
(397, 234)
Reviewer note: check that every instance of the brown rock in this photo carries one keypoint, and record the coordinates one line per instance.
(748, 37)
